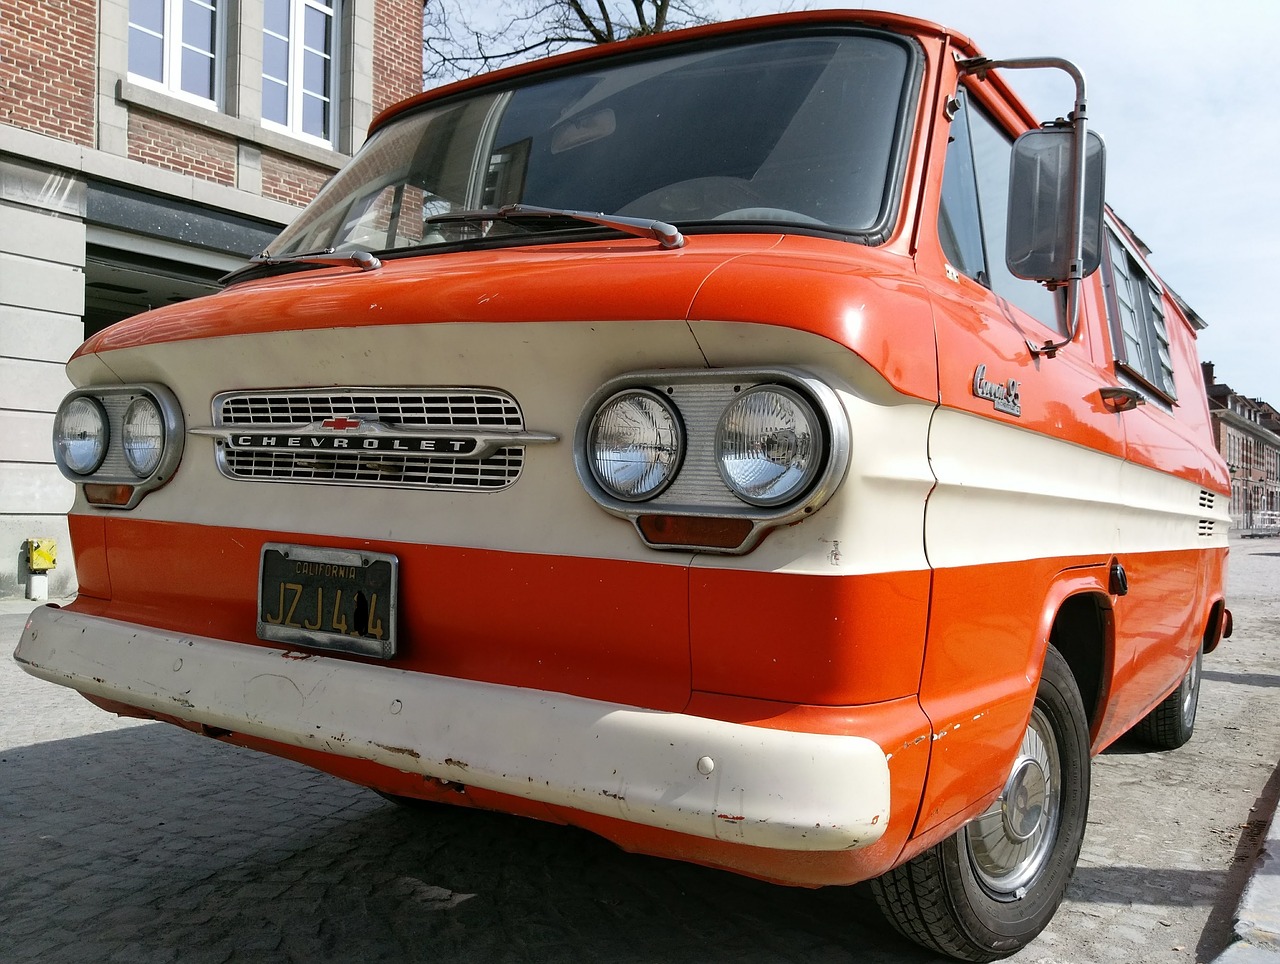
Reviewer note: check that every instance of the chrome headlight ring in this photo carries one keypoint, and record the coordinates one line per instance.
(770, 445)
(635, 444)
(802, 452)
(81, 434)
(143, 437)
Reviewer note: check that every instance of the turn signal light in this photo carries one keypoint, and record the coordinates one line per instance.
(99, 494)
(701, 531)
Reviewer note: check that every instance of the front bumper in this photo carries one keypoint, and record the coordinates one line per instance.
(724, 781)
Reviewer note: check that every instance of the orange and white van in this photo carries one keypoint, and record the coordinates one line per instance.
(726, 441)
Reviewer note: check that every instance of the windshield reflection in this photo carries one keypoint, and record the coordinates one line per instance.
(800, 130)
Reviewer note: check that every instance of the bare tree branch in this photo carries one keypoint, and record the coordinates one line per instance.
(599, 34)
(458, 40)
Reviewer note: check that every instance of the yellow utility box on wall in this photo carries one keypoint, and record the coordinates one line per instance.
(42, 555)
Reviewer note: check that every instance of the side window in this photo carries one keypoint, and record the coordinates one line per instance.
(174, 45)
(1135, 306)
(959, 223)
(976, 181)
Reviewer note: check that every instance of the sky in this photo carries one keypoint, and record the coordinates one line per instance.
(1184, 93)
(1185, 96)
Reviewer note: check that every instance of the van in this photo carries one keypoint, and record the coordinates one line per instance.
(757, 444)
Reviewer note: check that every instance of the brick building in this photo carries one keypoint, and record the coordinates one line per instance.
(146, 148)
(1247, 431)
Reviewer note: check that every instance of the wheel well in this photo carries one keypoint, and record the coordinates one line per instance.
(1218, 627)
(1081, 633)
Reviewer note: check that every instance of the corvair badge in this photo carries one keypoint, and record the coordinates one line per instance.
(1005, 398)
(355, 435)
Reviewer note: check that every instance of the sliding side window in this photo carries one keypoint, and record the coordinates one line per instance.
(1135, 306)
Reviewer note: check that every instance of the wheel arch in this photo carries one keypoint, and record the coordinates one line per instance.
(978, 724)
(1078, 620)
(1083, 631)
(1217, 626)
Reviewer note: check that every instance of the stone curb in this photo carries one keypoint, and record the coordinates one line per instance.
(1257, 919)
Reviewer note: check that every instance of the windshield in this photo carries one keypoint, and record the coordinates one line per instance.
(799, 130)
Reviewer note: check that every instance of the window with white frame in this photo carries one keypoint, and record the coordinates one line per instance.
(174, 45)
(299, 42)
(1135, 302)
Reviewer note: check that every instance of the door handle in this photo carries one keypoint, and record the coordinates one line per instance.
(1120, 399)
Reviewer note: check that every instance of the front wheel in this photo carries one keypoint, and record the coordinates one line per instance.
(988, 890)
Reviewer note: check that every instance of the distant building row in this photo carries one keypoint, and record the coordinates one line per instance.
(1247, 431)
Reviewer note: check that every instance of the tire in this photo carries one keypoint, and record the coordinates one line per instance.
(1172, 722)
(987, 891)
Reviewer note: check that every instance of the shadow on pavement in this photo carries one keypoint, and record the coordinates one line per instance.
(1243, 679)
(155, 843)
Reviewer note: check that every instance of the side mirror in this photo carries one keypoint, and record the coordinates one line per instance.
(1041, 192)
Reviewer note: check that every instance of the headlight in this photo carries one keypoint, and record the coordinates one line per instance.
(769, 445)
(635, 445)
(80, 435)
(118, 442)
(142, 435)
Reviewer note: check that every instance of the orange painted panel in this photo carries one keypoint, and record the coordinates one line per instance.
(1159, 626)
(625, 280)
(596, 628)
(859, 297)
(87, 535)
(988, 631)
(798, 638)
(1059, 397)
(863, 298)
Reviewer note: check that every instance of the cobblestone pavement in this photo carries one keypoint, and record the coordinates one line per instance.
(128, 841)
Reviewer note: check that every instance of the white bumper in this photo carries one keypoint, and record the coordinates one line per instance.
(766, 788)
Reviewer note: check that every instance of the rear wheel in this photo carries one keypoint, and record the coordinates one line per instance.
(1172, 722)
(987, 891)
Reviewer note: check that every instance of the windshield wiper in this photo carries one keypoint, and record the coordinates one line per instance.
(361, 259)
(667, 235)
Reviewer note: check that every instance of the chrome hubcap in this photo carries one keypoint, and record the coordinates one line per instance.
(1191, 691)
(1022, 802)
(1010, 844)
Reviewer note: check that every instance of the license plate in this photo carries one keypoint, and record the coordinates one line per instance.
(335, 599)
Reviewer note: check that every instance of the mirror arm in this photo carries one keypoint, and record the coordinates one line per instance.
(1079, 119)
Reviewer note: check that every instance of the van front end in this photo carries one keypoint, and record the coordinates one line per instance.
(317, 573)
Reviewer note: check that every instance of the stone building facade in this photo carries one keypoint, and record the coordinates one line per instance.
(146, 148)
(1247, 431)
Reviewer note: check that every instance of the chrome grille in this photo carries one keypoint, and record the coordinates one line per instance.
(445, 408)
(114, 466)
(440, 408)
